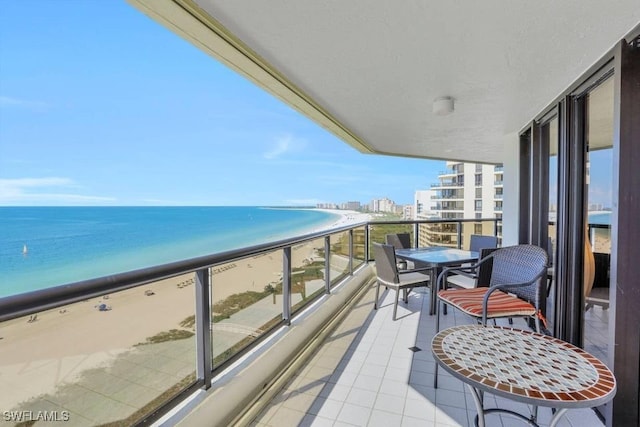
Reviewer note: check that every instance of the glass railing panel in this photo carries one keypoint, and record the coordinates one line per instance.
(378, 232)
(438, 234)
(359, 245)
(600, 238)
(466, 230)
(246, 297)
(483, 228)
(108, 360)
(338, 257)
(307, 272)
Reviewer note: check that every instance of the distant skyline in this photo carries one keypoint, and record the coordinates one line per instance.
(99, 105)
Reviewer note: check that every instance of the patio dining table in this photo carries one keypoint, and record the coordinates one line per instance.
(524, 366)
(436, 257)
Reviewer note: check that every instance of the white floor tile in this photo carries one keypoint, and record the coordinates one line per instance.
(362, 397)
(384, 419)
(354, 414)
(389, 403)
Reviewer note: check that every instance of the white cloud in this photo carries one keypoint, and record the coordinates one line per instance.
(282, 145)
(6, 101)
(34, 191)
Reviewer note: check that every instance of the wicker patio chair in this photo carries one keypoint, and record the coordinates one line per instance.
(471, 276)
(400, 241)
(515, 289)
(389, 276)
(479, 241)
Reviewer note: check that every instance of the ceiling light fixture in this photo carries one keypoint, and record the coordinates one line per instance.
(443, 106)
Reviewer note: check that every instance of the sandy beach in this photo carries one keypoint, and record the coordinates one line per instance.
(38, 355)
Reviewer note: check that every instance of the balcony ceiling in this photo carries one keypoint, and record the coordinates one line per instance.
(369, 70)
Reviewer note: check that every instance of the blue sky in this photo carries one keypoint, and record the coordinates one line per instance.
(99, 105)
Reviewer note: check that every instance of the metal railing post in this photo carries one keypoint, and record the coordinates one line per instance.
(416, 229)
(286, 285)
(351, 252)
(327, 271)
(495, 227)
(459, 230)
(366, 242)
(203, 327)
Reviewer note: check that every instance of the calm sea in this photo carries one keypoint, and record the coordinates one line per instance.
(68, 244)
(602, 218)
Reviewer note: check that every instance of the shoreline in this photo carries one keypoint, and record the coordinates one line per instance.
(38, 356)
(347, 217)
(45, 272)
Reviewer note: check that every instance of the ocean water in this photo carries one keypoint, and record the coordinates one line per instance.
(602, 218)
(69, 244)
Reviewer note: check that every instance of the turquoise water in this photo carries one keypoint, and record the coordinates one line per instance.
(69, 244)
(603, 218)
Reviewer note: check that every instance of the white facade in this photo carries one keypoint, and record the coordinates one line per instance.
(383, 205)
(464, 191)
(424, 204)
(407, 212)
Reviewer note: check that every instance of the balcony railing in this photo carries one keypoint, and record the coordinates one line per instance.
(128, 347)
(448, 197)
(449, 172)
(448, 184)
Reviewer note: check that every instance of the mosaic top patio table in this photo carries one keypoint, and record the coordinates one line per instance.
(523, 366)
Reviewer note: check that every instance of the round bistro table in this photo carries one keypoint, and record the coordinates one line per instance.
(524, 366)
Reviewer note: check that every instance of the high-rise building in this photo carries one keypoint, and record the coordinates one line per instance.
(352, 206)
(407, 212)
(424, 204)
(463, 190)
(382, 205)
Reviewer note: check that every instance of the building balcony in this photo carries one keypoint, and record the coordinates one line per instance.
(448, 197)
(375, 371)
(448, 209)
(449, 184)
(305, 349)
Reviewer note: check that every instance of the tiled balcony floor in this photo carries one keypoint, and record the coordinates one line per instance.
(366, 374)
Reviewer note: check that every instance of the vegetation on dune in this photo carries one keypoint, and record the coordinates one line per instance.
(171, 335)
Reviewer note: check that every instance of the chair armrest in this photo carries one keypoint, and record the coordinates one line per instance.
(506, 288)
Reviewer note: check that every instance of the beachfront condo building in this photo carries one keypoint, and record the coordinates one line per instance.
(382, 205)
(463, 190)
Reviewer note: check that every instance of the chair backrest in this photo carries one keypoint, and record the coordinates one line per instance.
(521, 264)
(484, 271)
(479, 241)
(385, 262)
(399, 240)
